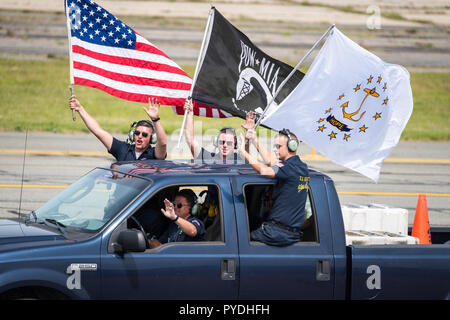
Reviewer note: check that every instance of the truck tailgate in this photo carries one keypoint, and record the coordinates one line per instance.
(399, 271)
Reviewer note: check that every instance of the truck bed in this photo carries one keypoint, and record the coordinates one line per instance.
(400, 271)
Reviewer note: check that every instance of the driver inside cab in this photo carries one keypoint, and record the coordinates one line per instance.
(184, 225)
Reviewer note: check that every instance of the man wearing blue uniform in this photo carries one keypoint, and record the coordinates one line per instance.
(284, 222)
(184, 225)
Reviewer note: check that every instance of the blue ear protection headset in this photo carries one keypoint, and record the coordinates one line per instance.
(292, 144)
(145, 123)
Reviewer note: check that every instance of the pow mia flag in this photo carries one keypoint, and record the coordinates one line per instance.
(235, 75)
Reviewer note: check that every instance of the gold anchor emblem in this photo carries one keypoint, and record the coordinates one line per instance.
(349, 116)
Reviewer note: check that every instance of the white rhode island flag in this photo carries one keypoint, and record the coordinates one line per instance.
(351, 106)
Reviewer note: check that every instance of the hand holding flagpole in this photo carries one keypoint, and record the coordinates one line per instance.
(72, 95)
(196, 72)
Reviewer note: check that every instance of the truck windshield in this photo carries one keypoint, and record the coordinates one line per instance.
(89, 203)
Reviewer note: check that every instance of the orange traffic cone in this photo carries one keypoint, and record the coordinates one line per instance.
(421, 227)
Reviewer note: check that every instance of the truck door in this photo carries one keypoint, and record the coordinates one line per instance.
(301, 271)
(180, 270)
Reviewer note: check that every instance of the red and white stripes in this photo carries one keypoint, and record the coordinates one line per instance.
(131, 74)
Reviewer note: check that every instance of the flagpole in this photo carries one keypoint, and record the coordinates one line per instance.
(292, 73)
(196, 71)
(69, 37)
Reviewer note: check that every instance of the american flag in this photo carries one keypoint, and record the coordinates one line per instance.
(110, 56)
(202, 110)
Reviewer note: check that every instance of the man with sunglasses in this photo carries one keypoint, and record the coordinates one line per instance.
(286, 218)
(226, 141)
(121, 150)
(184, 226)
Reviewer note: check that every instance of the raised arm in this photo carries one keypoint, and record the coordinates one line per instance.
(187, 227)
(248, 125)
(189, 129)
(260, 167)
(153, 113)
(105, 137)
(267, 156)
(251, 137)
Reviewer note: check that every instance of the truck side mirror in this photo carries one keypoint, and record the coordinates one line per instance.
(130, 241)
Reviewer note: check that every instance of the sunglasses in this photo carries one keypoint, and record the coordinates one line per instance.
(179, 205)
(144, 134)
(222, 142)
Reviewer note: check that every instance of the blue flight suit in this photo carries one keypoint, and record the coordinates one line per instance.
(124, 151)
(175, 234)
(284, 222)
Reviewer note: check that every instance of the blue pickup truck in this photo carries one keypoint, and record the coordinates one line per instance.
(90, 242)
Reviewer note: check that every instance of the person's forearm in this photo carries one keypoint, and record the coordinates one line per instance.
(90, 122)
(265, 153)
(161, 144)
(95, 128)
(154, 243)
(189, 133)
(187, 227)
(258, 166)
(247, 145)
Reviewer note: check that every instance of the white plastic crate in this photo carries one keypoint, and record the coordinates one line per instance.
(375, 217)
(361, 237)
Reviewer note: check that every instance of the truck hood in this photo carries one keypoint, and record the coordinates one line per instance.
(14, 232)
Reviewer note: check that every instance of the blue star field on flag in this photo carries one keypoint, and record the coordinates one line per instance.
(90, 22)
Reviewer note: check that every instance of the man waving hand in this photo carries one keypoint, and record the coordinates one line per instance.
(143, 133)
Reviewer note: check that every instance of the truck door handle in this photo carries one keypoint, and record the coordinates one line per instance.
(228, 269)
(323, 270)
